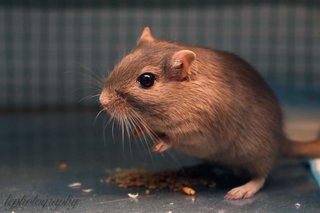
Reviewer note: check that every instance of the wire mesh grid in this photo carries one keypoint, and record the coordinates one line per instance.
(53, 52)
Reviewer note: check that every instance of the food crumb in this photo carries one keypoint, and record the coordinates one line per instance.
(87, 190)
(134, 196)
(171, 203)
(155, 181)
(169, 212)
(297, 205)
(63, 166)
(75, 185)
(188, 191)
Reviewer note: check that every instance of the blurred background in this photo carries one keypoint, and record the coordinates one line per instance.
(51, 51)
(54, 56)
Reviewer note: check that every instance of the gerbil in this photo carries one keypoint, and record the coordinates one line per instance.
(206, 103)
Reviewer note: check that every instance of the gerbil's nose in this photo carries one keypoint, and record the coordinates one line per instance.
(104, 98)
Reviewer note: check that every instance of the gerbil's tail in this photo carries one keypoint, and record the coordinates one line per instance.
(310, 149)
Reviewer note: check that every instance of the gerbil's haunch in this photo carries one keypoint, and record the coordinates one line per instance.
(206, 103)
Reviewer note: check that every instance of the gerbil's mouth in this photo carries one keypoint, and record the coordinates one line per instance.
(117, 104)
(119, 113)
(132, 124)
(114, 105)
(104, 99)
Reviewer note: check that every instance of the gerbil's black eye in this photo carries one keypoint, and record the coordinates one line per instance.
(146, 79)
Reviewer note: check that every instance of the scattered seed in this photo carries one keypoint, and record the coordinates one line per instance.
(134, 196)
(297, 205)
(188, 191)
(154, 181)
(87, 190)
(75, 185)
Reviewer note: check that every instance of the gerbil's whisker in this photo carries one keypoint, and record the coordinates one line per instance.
(153, 136)
(127, 126)
(171, 155)
(88, 97)
(110, 119)
(149, 131)
(104, 133)
(143, 139)
(122, 134)
(92, 87)
(93, 80)
(94, 76)
(137, 124)
(146, 131)
(112, 129)
(99, 114)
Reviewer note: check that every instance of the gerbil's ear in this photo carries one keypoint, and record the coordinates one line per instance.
(146, 36)
(180, 64)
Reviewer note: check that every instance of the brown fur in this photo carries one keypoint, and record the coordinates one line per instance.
(222, 112)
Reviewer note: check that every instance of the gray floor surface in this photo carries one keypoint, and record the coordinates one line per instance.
(32, 146)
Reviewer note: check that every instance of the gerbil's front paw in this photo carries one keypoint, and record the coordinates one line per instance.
(245, 191)
(160, 146)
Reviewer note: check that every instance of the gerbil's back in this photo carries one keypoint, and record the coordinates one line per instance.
(243, 86)
(249, 115)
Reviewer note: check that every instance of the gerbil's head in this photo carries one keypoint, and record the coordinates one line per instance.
(149, 86)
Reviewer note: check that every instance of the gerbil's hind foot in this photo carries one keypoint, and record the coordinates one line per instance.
(160, 146)
(247, 190)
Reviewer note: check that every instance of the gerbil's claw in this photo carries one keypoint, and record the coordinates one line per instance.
(247, 190)
(160, 146)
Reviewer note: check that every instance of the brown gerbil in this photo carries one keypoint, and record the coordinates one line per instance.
(206, 103)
